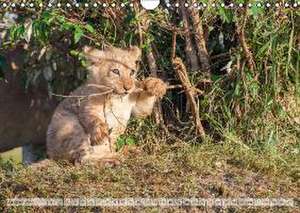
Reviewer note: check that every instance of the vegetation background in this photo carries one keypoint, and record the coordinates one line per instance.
(229, 124)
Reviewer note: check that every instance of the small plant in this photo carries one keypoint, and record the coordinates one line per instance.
(123, 141)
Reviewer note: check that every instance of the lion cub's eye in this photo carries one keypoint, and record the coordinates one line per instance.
(116, 71)
(132, 72)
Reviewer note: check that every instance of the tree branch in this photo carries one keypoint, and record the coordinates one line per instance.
(181, 72)
(242, 38)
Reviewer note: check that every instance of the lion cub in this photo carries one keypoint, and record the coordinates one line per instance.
(85, 126)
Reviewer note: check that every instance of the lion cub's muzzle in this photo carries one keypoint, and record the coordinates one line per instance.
(125, 86)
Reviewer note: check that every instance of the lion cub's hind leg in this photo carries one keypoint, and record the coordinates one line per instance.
(66, 138)
(102, 155)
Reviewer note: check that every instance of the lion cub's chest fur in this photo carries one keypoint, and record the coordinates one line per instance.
(117, 112)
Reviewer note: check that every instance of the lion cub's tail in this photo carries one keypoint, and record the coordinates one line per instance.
(41, 164)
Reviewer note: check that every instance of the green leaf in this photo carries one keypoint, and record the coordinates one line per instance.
(28, 31)
(226, 15)
(67, 26)
(74, 53)
(90, 28)
(78, 34)
(254, 88)
(263, 50)
(48, 17)
(122, 141)
(130, 141)
(255, 10)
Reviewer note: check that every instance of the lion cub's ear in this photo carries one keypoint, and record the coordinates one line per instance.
(93, 54)
(135, 52)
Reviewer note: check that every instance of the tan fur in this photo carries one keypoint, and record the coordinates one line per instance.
(85, 130)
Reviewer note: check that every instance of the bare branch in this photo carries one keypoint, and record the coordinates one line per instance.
(181, 72)
(242, 38)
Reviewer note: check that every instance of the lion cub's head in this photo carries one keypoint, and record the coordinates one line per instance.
(113, 67)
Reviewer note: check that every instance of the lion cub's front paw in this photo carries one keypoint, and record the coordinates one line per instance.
(98, 134)
(155, 86)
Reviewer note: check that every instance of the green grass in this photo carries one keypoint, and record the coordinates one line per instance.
(207, 170)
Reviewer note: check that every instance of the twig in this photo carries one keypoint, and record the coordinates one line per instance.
(221, 55)
(178, 86)
(110, 91)
(86, 96)
(175, 86)
(181, 72)
(173, 51)
(243, 42)
(81, 96)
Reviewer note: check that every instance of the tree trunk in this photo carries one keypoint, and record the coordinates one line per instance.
(189, 47)
(200, 41)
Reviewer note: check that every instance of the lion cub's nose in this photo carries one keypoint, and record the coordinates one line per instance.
(127, 85)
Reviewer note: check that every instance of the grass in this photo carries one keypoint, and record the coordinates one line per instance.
(207, 170)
